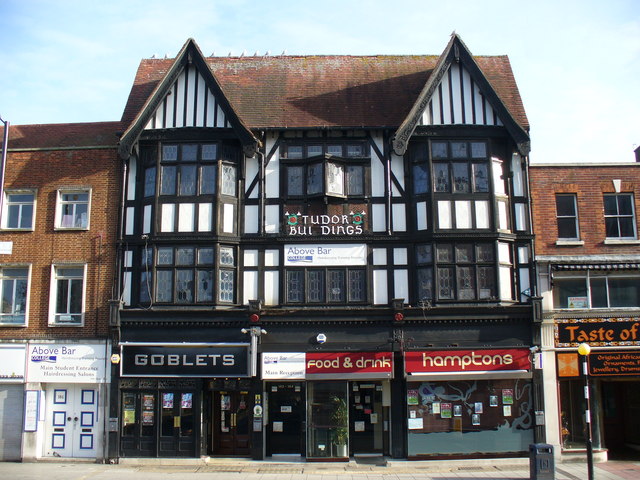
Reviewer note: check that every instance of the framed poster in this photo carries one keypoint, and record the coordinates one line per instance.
(507, 396)
(445, 410)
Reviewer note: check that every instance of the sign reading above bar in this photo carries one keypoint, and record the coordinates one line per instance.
(185, 360)
(302, 225)
(325, 255)
(327, 365)
(597, 332)
(457, 361)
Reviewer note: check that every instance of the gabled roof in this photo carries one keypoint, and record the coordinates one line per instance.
(502, 93)
(63, 135)
(153, 94)
(278, 92)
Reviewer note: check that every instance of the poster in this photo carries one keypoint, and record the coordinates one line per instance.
(187, 400)
(358, 426)
(507, 396)
(415, 423)
(147, 418)
(374, 418)
(506, 410)
(457, 410)
(475, 419)
(478, 407)
(147, 402)
(412, 397)
(129, 417)
(167, 400)
(493, 400)
(278, 426)
(436, 408)
(445, 410)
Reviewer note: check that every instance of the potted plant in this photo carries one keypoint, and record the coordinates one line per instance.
(340, 418)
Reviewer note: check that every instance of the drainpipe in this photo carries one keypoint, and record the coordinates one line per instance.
(4, 159)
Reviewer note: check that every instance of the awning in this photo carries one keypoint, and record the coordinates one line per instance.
(595, 266)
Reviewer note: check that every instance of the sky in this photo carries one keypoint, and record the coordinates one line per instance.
(576, 62)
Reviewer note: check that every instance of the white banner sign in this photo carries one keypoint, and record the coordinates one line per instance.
(325, 255)
(66, 363)
(283, 366)
(12, 363)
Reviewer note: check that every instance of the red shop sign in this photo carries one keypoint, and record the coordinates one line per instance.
(320, 363)
(481, 360)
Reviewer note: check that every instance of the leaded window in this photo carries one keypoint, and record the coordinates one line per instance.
(326, 285)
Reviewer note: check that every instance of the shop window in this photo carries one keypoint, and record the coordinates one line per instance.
(14, 282)
(463, 271)
(68, 295)
(326, 286)
(567, 216)
(591, 290)
(619, 216)
(19, 210)
(72, 209)
(469, 417)
(328, 420)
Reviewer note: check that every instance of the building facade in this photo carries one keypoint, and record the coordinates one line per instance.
(588, 260)
(59, 224)
(325, 256)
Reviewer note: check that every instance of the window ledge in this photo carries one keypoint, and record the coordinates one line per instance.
(16, 325)
(569, 243)
(617, 241)
(66, 325)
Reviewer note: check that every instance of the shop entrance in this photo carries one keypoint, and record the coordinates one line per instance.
(366, 418)
(621, 418)
(159, 423)
(231, 425)
(286, 413)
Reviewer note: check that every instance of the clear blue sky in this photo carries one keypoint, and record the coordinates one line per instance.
(577, 63)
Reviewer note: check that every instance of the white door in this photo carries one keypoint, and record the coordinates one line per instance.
(73, 429)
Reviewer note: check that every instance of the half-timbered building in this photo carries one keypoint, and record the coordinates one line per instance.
(324, 256)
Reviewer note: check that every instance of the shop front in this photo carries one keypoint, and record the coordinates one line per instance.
(12, 397)
(327, 405)
(184, 400)
(65, 400)
(466, 403)
(614, 378)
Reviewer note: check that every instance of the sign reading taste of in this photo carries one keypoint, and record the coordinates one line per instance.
(299, 224)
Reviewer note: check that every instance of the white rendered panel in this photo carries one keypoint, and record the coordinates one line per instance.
(503, 218)
(168, 121)
(200, 105)
(271, 258)
(159, 116)
(435, 107)
(378, 178)
(518, 175)
(380, 295)
(399, 217)
(379, 256)
(205, 217)
(220, 120)
(129, 220)
(401, 284)
(191, 97)
(482, 213)
(167, 221)
(446, 101)
(400, 256)
(146, 219)
(131, 178)
(421, 215)
(271, 285)
(272, 220)
(505, 283)
(456, 99)
(251, 259)
(211, 109)
(378, 221)
(179, 111)
(444, 214)
(272, 176)
(504, 253)
(186, 217)
(467, 97)
(463, 214)
(397, 167)
(228, 218)
(128, 259)
(250, 286)
(252, 166)
(126, 288)
(251, 219)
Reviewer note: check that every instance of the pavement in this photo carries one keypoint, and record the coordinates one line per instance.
(361, 469)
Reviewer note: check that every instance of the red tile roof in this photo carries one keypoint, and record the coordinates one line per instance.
(61, 135)
(325, 91)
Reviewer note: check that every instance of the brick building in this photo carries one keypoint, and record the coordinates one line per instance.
(588, 256)
(59, 224)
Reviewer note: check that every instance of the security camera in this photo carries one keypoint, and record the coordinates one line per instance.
(534, 349)
(321, 338)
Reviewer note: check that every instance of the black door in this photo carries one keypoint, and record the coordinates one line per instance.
(232, 417)
(285, 434)
(366, 418)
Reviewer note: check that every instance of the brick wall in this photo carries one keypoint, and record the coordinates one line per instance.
(589, 183)
(48, 171)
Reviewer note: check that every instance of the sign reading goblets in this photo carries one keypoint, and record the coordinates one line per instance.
(437, 361)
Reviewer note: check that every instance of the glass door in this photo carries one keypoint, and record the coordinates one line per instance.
(177, 432)
(328, 420)
(366, 417)
(231, 423)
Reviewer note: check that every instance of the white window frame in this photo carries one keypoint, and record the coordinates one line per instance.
(619, 216)
(59, 204)
(27, 299)
(6, 203)
(53, 297)
(573, 217)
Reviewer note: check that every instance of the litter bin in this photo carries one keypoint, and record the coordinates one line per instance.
(541, 465)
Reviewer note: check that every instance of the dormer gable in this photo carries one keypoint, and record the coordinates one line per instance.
(188, 95)
(459, 93)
